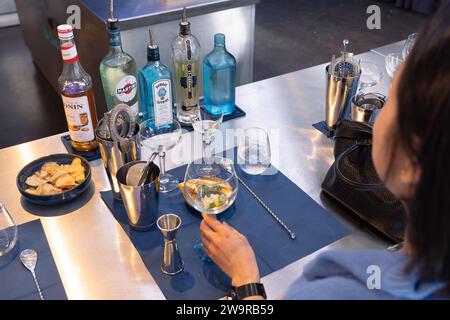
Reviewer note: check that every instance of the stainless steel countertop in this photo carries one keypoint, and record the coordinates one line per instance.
(138, 13)
(395, 47)
(94, 256)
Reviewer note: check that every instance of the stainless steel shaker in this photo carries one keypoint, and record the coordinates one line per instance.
(141, 202)
(342, 77)
(117, 148)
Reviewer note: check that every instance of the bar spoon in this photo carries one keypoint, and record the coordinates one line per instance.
(29, 260)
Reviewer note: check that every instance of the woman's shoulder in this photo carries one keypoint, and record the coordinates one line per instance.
(360, 274)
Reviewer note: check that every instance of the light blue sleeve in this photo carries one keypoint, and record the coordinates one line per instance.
(333, 288)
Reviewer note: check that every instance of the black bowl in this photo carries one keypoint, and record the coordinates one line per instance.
(61, 158)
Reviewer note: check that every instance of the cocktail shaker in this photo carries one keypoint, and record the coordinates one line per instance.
(118, 138)
(141, 201)
(342, 77)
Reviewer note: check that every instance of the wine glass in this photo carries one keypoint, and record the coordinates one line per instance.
(409, 44)
(161, 139)
(254, 151)
(8, 231)
(393, 61)
(371, 75)
(206, 123)
(211, 194)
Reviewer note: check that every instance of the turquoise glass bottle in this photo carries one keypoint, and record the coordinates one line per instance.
(155, 85)
(219, 78)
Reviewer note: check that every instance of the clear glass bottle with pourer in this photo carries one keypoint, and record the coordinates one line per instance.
(156, 92)
(186, 60)
(219, 78)
(118, 70)
(77, 94)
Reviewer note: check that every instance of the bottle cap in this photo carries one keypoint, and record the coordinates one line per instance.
(219, 39)
(65, 31)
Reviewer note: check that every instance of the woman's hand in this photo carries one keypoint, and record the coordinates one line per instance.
(230, 250)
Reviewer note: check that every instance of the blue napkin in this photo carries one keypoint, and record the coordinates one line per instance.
(88, 155)
(16, 282)
(315, 228)
(322, 127)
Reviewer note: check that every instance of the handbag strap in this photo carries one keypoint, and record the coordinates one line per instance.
(352, 183)
(352, 133)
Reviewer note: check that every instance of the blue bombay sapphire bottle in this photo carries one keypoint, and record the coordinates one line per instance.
(219, 78)
(155, 85)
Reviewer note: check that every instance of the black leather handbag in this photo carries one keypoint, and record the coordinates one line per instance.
(353, 181)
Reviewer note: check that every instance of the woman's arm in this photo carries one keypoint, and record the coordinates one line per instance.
(231, 251)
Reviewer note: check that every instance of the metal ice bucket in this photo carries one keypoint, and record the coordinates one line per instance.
(141, 202)
(366, 107)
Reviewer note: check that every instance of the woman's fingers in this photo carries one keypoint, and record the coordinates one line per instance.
(212, 222)
(206, 230)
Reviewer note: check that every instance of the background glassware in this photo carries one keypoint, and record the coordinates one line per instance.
(8, 231)
(254, 151)
(409, 44)
(161, 139)
(206, 123)
(371, 75)
(211, 194)
(393, 61)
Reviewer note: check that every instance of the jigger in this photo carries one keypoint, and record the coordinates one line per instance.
(172, 263)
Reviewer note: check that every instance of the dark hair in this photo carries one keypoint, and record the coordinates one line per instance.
(424, 131)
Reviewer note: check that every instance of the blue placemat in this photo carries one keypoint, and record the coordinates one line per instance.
(88, 155)
(16, 282)
(315, 228)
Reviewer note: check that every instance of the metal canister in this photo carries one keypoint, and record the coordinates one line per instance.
(141, 202)
(339, 91)
(117, 153)
(366, 107)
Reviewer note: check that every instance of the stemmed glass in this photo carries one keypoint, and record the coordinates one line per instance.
(371, 75)
(161, 139)
(393, 61)
(8, 231)
(409, 44)
(254, 151)
(206, 123)
(210, 193)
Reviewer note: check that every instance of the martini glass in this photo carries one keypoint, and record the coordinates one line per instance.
(161, 139)
(207, 124)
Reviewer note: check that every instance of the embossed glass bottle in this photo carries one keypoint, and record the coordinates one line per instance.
(156, 92)
(118, 71)
(219, 78)
(186, 60)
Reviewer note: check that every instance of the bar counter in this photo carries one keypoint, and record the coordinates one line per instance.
(94, 256)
